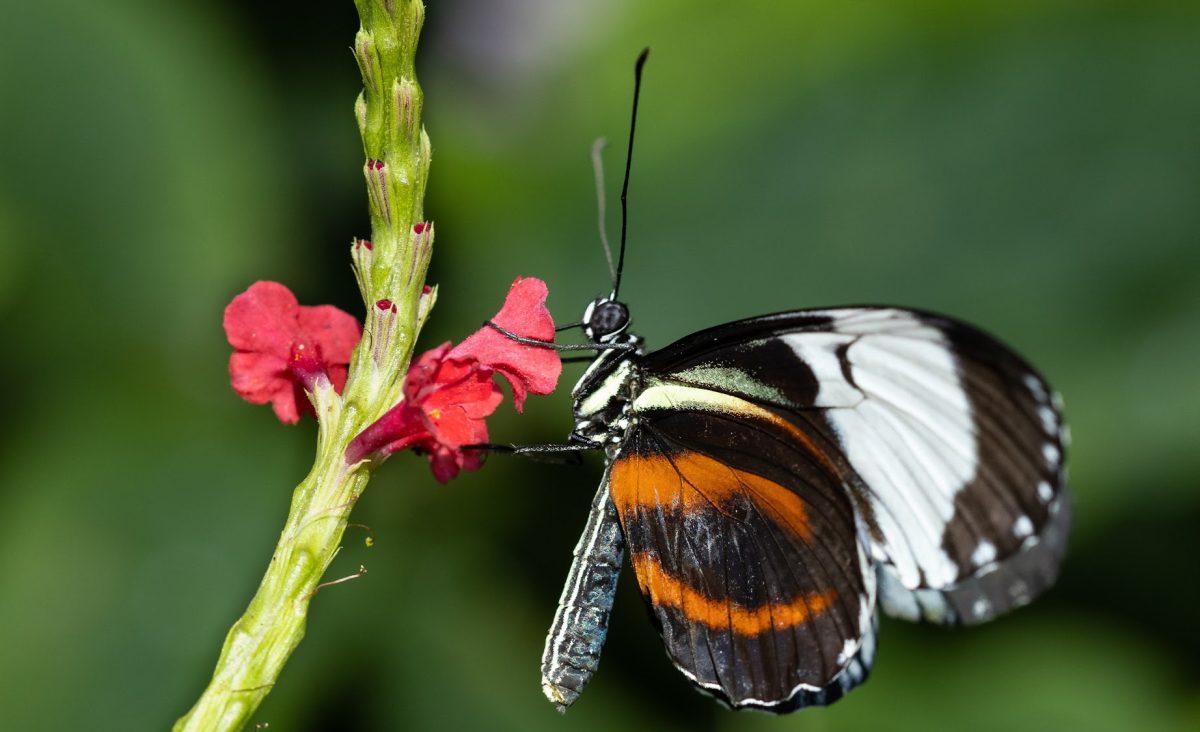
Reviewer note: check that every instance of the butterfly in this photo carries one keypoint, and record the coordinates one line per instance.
(777, 481)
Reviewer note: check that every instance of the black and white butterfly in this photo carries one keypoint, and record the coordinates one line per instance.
(777, 480)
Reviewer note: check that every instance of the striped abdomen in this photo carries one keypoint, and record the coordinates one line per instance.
(581, 622)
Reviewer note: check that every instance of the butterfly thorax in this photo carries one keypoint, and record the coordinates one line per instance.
(604, 394)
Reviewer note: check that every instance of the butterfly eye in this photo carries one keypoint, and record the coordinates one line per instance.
(605, 318)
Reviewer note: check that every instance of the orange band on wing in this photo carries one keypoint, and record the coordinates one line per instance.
(801, 436)
(690, 480)
(668, 591)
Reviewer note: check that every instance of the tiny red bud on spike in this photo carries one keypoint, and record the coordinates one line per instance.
(363, 259)
(384, 326)
(422, 246)
(377, 184)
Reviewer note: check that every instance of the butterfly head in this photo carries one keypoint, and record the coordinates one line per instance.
(604, 319)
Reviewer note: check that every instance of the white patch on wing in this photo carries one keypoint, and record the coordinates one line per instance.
(819, 351)
(732, 379)
(933, 605)
(984, 553)
(1045, 492)
(907, 430)
(1023, 527)
(896, 599)
(849, 648)
(667, 395)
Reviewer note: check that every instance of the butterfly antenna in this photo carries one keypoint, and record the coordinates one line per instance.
(637, 88)
(598, 169)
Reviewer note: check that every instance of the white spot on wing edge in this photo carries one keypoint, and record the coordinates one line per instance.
(1044, 492)
(1022, 527)
(984, 553)
(1049, 420)
(849, 648)
(981, 608)
(1035, 386)
(1051, 453)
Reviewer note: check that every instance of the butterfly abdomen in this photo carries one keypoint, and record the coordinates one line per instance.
(580, 624)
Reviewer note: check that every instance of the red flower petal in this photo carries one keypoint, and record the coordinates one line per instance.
(455, 425)
(422, 370)
(334, 332)
(524, 311)
(337, 377)
(446, 462)
(263, 319)
(284, 348)
(468, 387)
(527, 368)
(260, 378)
(400, 427)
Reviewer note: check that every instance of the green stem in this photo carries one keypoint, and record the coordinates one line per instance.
(391, 269)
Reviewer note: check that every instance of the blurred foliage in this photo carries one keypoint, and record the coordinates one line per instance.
(1033, 167)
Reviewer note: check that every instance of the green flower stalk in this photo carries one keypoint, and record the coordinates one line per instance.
(390, 269)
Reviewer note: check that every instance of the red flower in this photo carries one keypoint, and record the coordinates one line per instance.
(283, 348)
(527, 368)
(445, 404)
(449, 393)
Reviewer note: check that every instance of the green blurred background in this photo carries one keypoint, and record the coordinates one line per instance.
(1033, 167)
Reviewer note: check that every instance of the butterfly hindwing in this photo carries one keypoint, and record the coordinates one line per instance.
(747, 551)
(949, 444)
